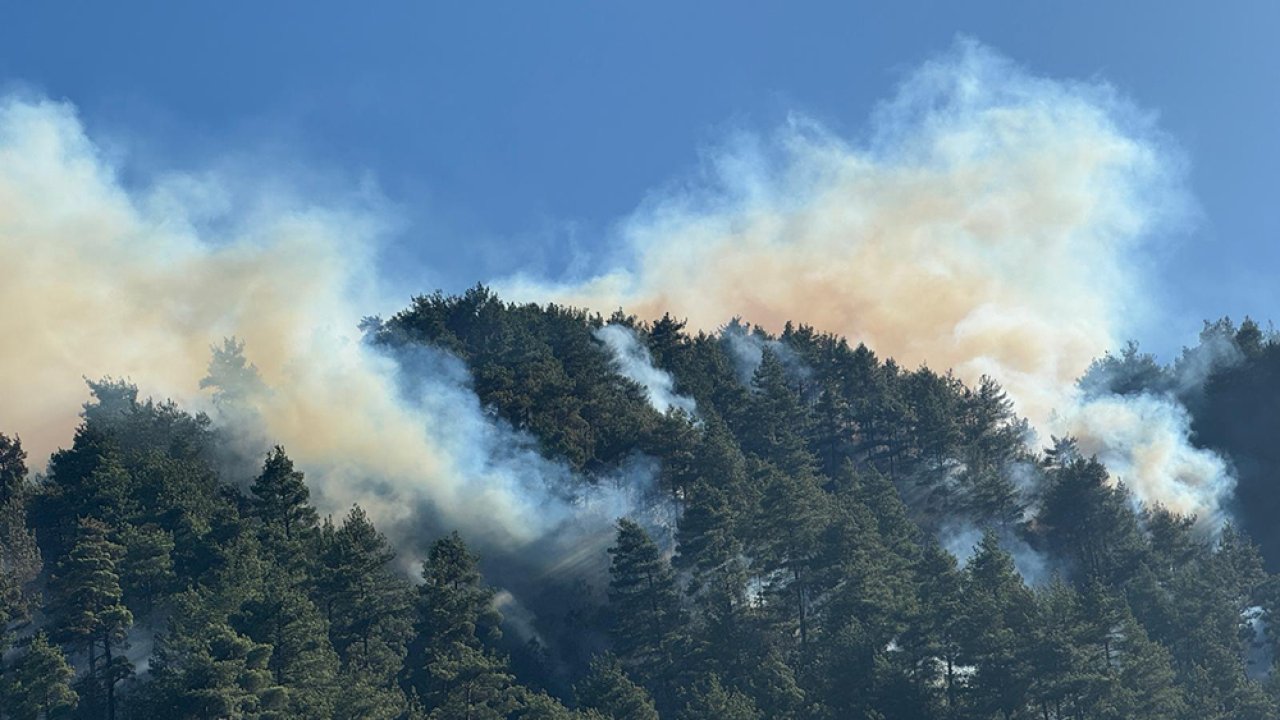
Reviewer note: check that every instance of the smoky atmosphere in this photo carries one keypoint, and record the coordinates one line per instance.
(573, 361)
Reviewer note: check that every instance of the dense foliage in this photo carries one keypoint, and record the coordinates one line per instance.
(810, 574)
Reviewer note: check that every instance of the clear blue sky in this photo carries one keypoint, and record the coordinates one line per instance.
(513, 134)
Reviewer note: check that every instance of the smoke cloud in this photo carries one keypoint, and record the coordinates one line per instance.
(989, 222)
(632, 361)
(103, 280)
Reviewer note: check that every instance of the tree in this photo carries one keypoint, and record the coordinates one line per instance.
(997, 625)
(20, 565)
(608, 690)
(206, 670)
(711, 699)
(791, 524)
(1145, 686)
(779, 422)
(1089, 521)
(91, 613)
(302, 660)
(13, 468)
(231, 376)
(644, 605)
(450, 665)
(40, 686)
(146, 569)
(367, 603)
(281, 498)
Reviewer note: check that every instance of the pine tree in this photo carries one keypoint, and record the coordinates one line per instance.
(609, 691)
(20, 565)
(711, 699)
(302, 659)
(932, 641)
(13, 468)
(450, 664)
(1145, 686)
(40, 685)
(204, 669)
(778, 424)
(367, 604)
(146, 569)
(1089, 521)
(91, 613)
(281, 498)
(791, 524)
(645, 607)
(997, 628)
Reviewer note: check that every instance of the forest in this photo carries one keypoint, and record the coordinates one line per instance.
(817, 533)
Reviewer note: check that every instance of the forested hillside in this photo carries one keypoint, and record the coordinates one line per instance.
(824, 534)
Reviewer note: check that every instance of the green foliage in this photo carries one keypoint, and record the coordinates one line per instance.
(804, 581)
(39, 686)
(281, 499)
(609, 691)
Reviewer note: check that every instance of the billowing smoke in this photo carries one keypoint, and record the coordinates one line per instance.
(988, 221)
(632, 360)
(1144, 441)
(105, 280)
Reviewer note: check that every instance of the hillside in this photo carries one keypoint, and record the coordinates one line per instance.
(733, 525)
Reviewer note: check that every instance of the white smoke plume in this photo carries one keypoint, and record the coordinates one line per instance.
(633, 361)
(988, 221)
(104, 280)
(962, 539)
(1144, 441)
(746, 348)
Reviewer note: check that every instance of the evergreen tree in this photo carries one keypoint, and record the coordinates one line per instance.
(609, 691)
(997, 625)
(369, 610)
(451, 665)
(302, 660)
(792, 522)
(779, 423)
(20, 565)
(146, 569)
(91, 613)
(281, 498)
(205, 670)
(711, 699)
(645, 607)
(13, 468)
(39, 687)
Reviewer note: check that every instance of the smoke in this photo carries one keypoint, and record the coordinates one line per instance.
(1144, 440)
(961, 540)
(101, 279)
(988, 221)
(632, 361)
(746, 348)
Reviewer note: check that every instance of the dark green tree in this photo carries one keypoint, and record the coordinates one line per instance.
(91, 614)
(711, 699)
(302, 659)
(609, 691)
(451, 665)
(645, 608)
(369, 608)
(39, 687)
(282, 500)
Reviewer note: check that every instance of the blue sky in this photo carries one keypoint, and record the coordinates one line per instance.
(514, 135)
